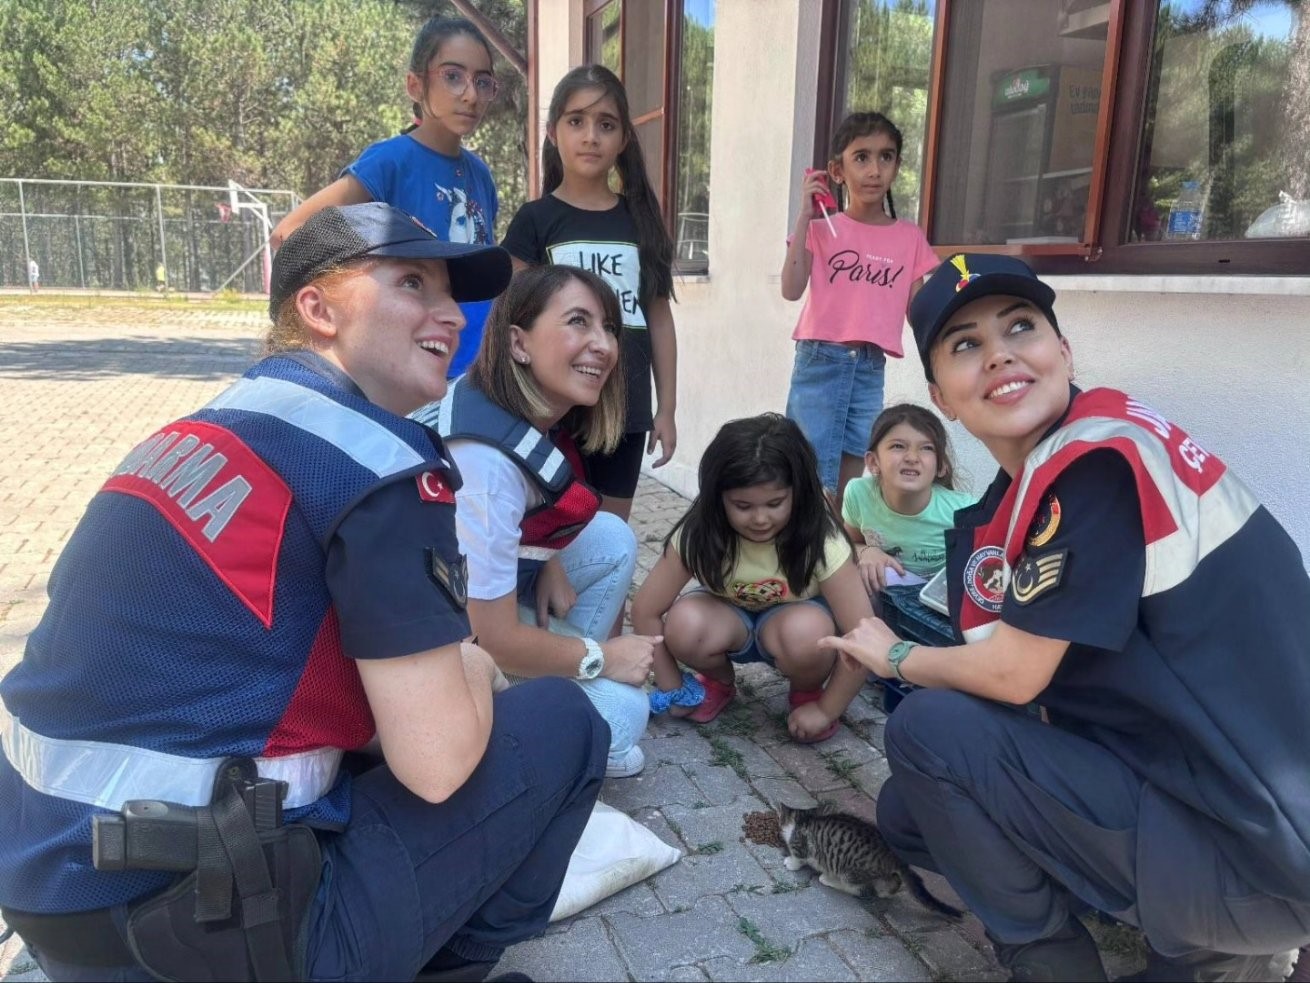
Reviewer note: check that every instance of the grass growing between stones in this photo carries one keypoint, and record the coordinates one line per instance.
(737, 720)
(765, 951)
(841, 766)
(726, 754)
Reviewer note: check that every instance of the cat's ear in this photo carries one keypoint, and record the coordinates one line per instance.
(825, 809)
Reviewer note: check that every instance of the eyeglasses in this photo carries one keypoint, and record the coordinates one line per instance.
(456, 80)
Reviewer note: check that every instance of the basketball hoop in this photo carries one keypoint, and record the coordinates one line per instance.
(224, 211)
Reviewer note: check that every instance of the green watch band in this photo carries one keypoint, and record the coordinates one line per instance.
(897, 654)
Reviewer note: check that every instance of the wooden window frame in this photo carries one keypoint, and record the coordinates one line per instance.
(1104, 247)
(668, 111)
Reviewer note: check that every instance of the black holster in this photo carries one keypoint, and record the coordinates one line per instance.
(241, 913)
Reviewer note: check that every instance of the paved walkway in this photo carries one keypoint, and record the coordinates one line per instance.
(80, 385)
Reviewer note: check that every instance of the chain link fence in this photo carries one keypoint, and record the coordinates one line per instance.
(101, 235)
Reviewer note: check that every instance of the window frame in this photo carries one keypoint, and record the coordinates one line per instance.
(1104, 248)
(667, 111)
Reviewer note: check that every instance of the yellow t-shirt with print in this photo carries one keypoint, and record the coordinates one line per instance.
(758, 582)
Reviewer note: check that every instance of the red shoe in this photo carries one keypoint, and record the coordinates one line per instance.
(717, 696)
(798, 698)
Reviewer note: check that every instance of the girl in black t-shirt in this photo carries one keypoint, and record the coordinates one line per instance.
(579, 221)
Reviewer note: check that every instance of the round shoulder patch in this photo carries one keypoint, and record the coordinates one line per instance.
(984, 578)
(1046, 522)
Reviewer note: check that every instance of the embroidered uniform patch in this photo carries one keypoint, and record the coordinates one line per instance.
(1046, 522)
(431, 488)
(1035, 575)
(453, 578)
(984, 578)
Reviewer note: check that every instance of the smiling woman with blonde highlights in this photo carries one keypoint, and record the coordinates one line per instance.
(548, 575)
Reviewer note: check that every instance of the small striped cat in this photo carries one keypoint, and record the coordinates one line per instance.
(850, 855)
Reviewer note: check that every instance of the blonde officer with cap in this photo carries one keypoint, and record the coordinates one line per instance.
(1117, 572)
(263, 585)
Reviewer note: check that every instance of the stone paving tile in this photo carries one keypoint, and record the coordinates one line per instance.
(652, 947)
(812, 910)
(699, 876)
(813, 959)
(584, 952)
(879, 957)
(657, 785)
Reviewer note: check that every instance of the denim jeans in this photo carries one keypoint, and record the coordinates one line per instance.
(600, 564)
(835, 395)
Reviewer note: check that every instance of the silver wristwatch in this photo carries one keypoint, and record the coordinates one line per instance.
(593, 660)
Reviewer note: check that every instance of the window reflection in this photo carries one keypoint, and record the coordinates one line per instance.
(1019, 120)
(1226, 134)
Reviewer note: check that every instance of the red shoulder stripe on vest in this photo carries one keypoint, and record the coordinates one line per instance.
(220, 497)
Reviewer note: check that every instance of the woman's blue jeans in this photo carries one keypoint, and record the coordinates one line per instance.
(600, 564)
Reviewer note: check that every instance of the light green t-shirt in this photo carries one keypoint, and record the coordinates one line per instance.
(920, 538)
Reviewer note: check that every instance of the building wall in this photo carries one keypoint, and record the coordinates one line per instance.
(1228, 359)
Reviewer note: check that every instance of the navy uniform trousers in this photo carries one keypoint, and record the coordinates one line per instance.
(475, 873)
(1018, 814)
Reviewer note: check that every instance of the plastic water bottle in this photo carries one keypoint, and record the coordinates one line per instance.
(1186, 213)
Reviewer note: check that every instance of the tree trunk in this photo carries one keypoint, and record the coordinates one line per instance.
(1296, 102)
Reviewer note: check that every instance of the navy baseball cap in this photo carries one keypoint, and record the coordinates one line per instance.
(963, 278)
(342, 233)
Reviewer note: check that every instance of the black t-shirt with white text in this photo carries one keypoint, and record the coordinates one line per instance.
(548, 230)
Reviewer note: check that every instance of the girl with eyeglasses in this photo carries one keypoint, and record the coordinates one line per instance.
(426, 171)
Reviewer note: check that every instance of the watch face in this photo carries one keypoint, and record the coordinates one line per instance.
(591, 666)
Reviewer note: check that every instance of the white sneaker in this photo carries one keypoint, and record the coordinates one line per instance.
(625, 764)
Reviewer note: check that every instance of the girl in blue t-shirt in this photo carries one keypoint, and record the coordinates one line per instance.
(426, 171)
(580, 221)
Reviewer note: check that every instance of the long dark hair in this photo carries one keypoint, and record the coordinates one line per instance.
(654, 245)
(756, 450)
(857, 125)
(431, 37)
(926, 422)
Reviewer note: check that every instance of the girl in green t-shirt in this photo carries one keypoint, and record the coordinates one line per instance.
(902, 509)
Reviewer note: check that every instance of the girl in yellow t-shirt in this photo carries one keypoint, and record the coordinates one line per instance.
(776, 574)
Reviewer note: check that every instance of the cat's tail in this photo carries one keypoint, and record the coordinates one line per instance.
(926, 897)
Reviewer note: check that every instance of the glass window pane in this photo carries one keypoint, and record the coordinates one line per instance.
(650, 135)
(888, 57)
(695, 91)
(1019, 114)
(643, 56)
(1226, 134)
(603, 39)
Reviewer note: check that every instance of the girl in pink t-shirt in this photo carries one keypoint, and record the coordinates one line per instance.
(862, 266)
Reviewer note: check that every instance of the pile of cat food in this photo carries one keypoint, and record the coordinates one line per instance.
(762, 828)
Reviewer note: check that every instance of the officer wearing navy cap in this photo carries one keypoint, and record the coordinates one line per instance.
(1118, 573)
(257, 588)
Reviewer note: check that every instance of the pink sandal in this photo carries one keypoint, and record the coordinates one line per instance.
(798, 698)
(717, 696)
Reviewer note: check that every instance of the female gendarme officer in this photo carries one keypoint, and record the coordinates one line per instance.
(1172, 787)
(276, 577)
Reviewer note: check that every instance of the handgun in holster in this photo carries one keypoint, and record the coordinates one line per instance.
(249, 880)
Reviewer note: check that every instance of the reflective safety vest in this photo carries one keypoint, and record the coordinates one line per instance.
(551, 462)
(1191, 503)
(190, 620)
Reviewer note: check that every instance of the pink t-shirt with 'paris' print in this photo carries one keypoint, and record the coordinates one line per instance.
(860, 281)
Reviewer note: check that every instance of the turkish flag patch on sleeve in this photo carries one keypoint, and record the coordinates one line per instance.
(432, 487)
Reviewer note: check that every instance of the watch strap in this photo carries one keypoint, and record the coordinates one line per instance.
(898, 654)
